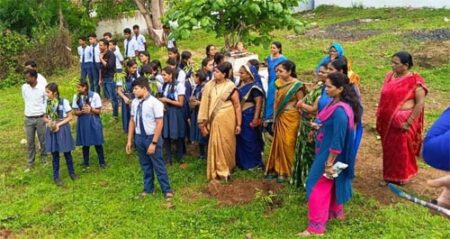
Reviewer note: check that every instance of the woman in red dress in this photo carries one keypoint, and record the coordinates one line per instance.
(400, 119)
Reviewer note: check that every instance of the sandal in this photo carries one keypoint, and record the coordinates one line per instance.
(168, 197)
(306, 233)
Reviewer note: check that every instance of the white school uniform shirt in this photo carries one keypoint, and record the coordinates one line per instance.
(140, 39)
(180, 89)
(96, 52)
(119, 59)
(87, 54)
(65, 107)
(130, 51)
(41, 81)
(35, 100)
(95, 101)
(170, 41)
(152, 109)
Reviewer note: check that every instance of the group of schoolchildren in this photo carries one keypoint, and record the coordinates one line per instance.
(158, 104)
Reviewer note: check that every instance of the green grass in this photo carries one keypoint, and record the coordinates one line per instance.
(102, 203)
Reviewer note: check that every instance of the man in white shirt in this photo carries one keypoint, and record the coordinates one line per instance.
(140, 39)
(145, 128)
(119, 57)
(85, 53)
(130, 44)
(94, 83)
(30, 64)
(35, 101)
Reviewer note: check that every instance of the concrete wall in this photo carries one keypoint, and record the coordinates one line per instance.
(386, 3)
(116, 26)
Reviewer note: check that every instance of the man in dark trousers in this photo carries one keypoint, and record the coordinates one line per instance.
(108, 69)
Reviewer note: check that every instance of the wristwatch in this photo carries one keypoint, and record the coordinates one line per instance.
(155, 142)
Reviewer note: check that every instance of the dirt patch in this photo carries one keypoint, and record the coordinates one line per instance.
(307, 77)
(442, 34)
(369, 162)
(241, 191)
(344, 31)
(6, 234)
(433, 54)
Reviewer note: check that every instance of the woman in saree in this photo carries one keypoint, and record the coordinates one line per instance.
(220, 117)
(286, 122)
(334, 51)
(272, 61)
(250, 144)
(326, 189)
(304, 149)
(400, 119)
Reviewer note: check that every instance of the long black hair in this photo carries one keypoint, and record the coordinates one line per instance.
(208, 48)
(53, 87)
(278, 45)
(175, 51)
(131, 63)
(227, 69)
(289, 65)
(340, 64)
(348, 94)
(185, 56)
(405, 58)
(171, 71)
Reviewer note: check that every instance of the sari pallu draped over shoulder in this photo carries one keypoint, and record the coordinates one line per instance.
(286, 124)
(216, 109)
(400, 147)
(250, 143)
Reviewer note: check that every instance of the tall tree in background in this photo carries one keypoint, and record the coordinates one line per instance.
(249, 21)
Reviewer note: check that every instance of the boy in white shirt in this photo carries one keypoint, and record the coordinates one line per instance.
(140, 39)
(85, 53)
(145, 128)
(95, 63)
(130, 44)
(119, 58)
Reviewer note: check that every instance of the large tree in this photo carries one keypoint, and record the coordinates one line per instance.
(249, 21)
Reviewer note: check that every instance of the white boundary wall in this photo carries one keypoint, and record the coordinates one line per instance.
(386, 3)
(116, 26)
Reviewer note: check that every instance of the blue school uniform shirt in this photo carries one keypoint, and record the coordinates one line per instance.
(152, 109)
(86, 52)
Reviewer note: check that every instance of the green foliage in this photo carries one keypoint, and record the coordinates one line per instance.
(249, 21)
(109, 9)
(30, 17)
(12, 44)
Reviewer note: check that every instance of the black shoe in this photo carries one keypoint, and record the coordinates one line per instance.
(73, 177)
(58, 182)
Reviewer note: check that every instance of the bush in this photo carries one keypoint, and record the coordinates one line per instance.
(12, 45)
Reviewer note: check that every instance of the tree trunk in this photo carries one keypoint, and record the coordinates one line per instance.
(162, 9)
(156, 14)
(148, 20)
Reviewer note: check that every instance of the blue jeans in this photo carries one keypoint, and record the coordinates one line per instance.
(86, 71)
(95, 69)
(152, 162)
(109, 86)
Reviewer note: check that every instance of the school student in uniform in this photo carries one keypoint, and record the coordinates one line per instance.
(58, 138)
(94, 82)
(146, 125)
(108, 69)
(34, 97)
(130, 44)
(125, 92)
(174, 118)
(194, 104)
(140, 39)
(87, 105)
(144, 59)
(208, 67)
(152, 73)
(30, 64)
(119, 58)
(85, 53)
(168, 37)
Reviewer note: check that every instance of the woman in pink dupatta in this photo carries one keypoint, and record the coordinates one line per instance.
(400, 120)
